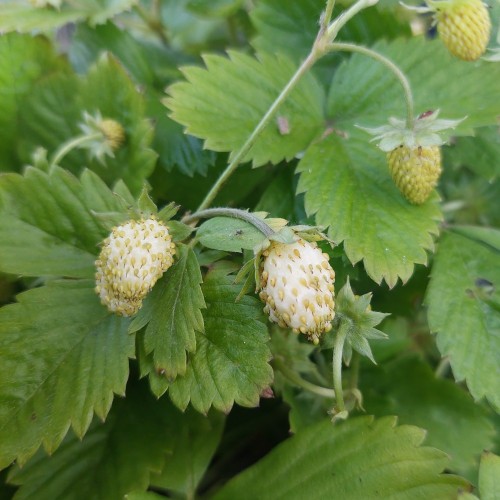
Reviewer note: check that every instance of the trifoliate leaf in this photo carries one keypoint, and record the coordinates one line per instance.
(349, 188)
(228, 234)
(113, 459)
(463, 301)
(194, 445)
(49, 223)
(247, 87)
(24, 63)
(172, 315)
(62, 359)
(22, 16)
(364, 92)
(54, 113)
(489, 472)
(408, 388)
(359, 458)
(230, 364)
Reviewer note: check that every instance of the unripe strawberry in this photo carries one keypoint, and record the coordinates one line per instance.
(132, 259)
(464, 26)
(415, 171)
(113, 133)
(297, 287)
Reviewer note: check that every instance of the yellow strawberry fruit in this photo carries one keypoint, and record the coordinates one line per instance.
(464, 26)
(415, 171)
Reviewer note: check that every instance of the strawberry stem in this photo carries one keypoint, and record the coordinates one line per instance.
(351, 47)
(240, 155)
(234, 213)
(76, 142)
(338, 349)
(296, 379)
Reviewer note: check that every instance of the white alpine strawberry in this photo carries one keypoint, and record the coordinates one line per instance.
(132, 259)
(297, 285)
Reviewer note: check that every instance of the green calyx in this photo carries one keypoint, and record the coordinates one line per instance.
(354, 314)
(424, 132)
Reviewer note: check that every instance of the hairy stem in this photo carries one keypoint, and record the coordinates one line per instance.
(354, 372)
(351, 47)
(347, 15)
(327, 15)
(230, 212)
(320, 48)
(238, 157)
(337, 363)
(72, 144)
(296, 379)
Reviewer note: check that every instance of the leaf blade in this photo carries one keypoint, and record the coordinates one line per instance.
(57, 372)
(248, 87)
(348, 188)
(173, 315)
(362, 458)
(464, 314)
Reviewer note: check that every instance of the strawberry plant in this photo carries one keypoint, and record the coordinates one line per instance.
(249, 249)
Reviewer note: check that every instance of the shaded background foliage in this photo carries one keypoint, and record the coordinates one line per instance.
(66, 364)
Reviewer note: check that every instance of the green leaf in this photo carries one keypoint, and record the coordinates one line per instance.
(348, 187)
(88, 43)
(52, 113)
(479, 153)
(21, 16)
(489, 472)
(62, 359)
(229, 234)
(113, 459)
(178, 150)
(408, 388)
(247, 87)
(24, 63)
(178, 230)
(143, 495)
(193, 448)
(172, 313)
(231, 359)
(365, 93)
(49, 223)
(278, 198)
(214, 8)
(359, 458)
(466, 314)
(292, 28)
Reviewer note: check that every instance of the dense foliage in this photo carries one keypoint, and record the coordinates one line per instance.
(240, 128)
